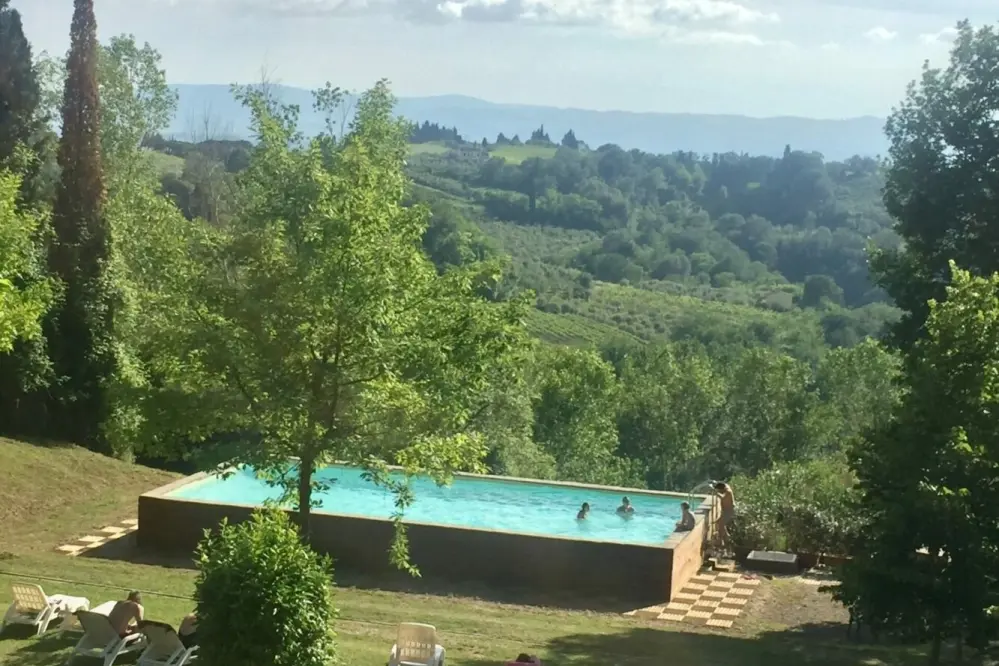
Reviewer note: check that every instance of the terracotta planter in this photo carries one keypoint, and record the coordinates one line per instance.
(807, 560)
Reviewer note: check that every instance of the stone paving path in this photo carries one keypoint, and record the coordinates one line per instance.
(711, 598)
(103, 536)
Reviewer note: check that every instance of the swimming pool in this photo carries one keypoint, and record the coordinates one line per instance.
(479, 502)
(502, 532)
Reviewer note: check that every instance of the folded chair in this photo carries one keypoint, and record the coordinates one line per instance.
(163, 646)
(33, 607)
(101, 641)
(416, 645)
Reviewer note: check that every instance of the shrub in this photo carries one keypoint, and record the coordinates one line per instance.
(800, 506)
(263, 597)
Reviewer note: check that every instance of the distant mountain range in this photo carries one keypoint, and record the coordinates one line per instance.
(212, 107)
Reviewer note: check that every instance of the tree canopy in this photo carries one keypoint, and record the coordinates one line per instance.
(325, 332)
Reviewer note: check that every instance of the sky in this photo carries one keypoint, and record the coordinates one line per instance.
(813, 58)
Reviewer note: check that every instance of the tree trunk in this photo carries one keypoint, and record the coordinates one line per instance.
(935, 649)
(306, 467)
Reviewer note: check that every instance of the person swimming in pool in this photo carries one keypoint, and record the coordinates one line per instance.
(625, 510)
(584, 511)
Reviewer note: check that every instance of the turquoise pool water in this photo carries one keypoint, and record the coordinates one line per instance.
(527, 508)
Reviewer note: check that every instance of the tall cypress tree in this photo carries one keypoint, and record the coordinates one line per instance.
(79, 331)
(19, 91)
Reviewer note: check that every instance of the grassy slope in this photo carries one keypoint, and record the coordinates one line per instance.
(427, 149)
(57, 492)
(165, 164)
(65, 492)
(517, 154)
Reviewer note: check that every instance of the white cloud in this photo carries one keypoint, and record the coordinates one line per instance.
(830, 46)
(940, 37)
(880, 34)
(630, 17)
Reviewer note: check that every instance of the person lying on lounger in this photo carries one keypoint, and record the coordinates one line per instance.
(127, 614)
(188, 630)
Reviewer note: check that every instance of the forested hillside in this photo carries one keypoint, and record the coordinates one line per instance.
(718, 248)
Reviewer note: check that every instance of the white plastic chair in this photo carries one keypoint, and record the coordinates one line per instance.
(416, 645)
(72, 623)
(33, 607)
(101, 641)
(163, 646)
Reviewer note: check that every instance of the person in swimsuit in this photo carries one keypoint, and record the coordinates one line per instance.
(188, 630)
(127, 614)
(686, 522)
(583, 511)
(727, 510)
(625, 509)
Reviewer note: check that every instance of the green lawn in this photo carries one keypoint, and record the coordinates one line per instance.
(49, 495)
(517, 154)
(164, 164)
(427, 149)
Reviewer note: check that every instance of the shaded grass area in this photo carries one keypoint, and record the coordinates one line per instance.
(53, 491)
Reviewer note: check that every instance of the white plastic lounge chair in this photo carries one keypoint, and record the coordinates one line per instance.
(416, 645)
(163, 646)
(33, 607)
(101, 641)
(72, 622)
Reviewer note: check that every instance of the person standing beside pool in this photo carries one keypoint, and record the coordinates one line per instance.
(625, 509)
(727, 510)
(583, 511)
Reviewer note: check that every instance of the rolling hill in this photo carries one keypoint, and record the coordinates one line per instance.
(652, 132)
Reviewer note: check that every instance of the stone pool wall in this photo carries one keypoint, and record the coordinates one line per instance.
(633, 572)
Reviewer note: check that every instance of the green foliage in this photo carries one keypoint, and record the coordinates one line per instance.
(22, 121)
(927, 478)
(80, 328)
(941, 178)
(135, 102)
(25, 294)
(669, 395)
(325, 333)
(263, 598)
(574, 414)
(804, 507)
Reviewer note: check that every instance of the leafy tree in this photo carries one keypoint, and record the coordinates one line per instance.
(570, 141)
(858, 389)
(325, 333)
(820, 289)
(24, 297)
(135, 102)
(941, 179)
(79, 331)
(669, 396)
(765, 415)
(262, 564)
(540, 136)
(22, 123)
(928, 481)
(574, 415)
(18, 86)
